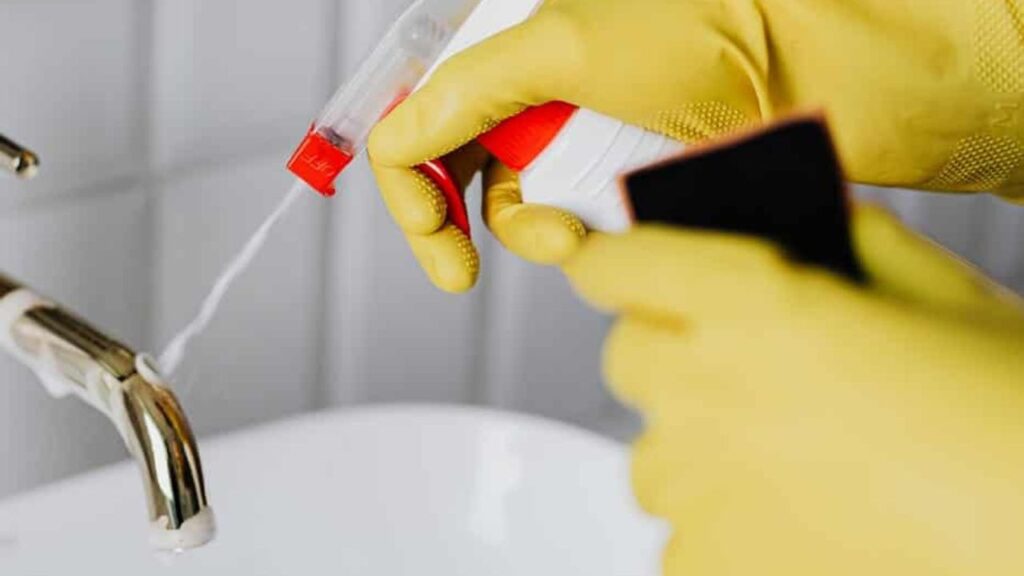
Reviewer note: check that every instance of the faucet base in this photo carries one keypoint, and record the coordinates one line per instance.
(193, 533)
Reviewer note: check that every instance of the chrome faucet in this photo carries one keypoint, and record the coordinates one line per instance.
(71, 357)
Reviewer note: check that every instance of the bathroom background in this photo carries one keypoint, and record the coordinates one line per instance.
(164, 126)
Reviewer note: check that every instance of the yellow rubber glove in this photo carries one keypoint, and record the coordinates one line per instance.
(919, 94)
(800, 425)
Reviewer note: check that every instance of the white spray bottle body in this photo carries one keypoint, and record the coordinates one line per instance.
(578, 170)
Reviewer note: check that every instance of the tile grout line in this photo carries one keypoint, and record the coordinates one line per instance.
(152, 177)
(480, 392)
(144, 40)
(349, 227)
(320, 397)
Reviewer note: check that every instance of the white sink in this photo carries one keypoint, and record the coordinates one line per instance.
(374, 492)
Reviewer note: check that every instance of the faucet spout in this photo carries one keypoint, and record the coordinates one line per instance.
(20, 161)
(161, 440)
(71, 357)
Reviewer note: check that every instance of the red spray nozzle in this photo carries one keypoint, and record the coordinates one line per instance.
(318, 162)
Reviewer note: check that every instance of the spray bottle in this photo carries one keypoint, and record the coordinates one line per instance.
(567, 157)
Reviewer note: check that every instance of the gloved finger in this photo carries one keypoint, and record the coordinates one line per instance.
(413, 200)
(644, 356)
(448, 257)
(445, 253)
(907, 265)
(647, 359)
(470, 94)
(657, 363)
(539, 234)
(684, 273)
(693, 408)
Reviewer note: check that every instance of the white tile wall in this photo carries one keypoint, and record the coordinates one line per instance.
(236, 76)
(1001, 245)
(981, 228)
(260, 357)
(164, 126)
(543, 351)
(391, 336)
(68, 77)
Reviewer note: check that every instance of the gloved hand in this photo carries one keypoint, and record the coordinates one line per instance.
(920, 94)
(798, 424)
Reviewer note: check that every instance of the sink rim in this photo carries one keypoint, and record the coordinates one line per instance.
(481, 498)
(482, 414)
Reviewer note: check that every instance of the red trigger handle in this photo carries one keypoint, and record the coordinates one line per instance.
(516, 142)
(442, 178)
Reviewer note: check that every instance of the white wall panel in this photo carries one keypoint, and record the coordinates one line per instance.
(1001, 248)
(68, 73)
(90, 255)
(259, 359)
(360, 26)
(543, 344)
(391, 335)
(981, 228)
(234, 76)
